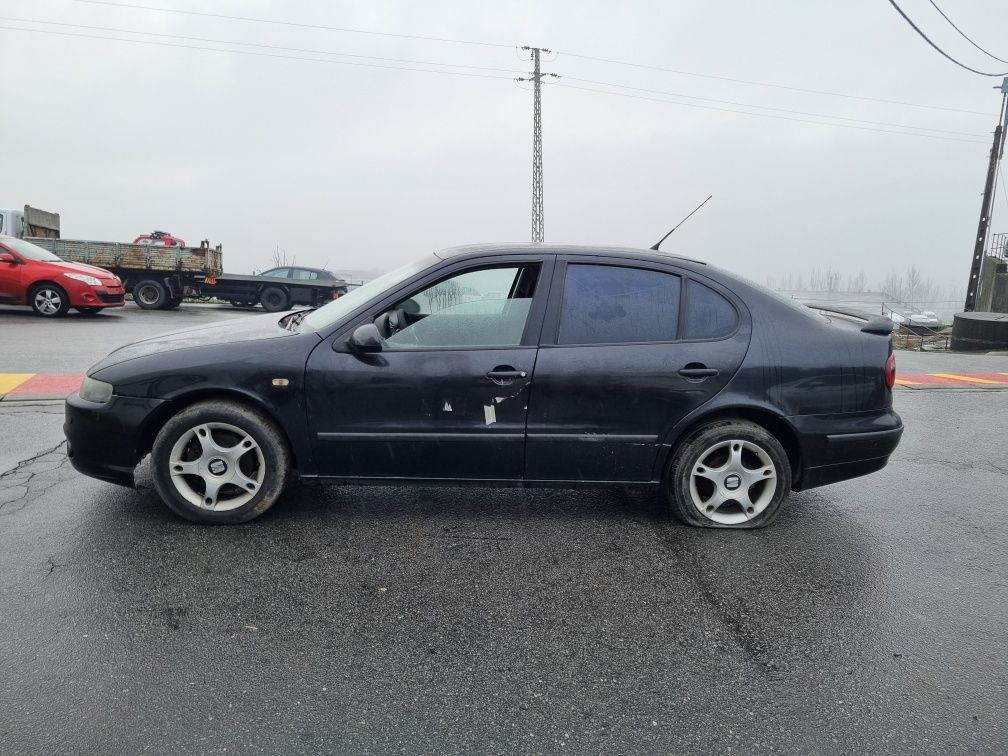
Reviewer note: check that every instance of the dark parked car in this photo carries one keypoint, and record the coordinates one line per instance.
(503, 365)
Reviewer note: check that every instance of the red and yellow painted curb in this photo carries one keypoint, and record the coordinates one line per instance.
(38, 385)
(972, 380)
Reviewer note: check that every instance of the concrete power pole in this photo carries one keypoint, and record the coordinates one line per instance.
(997, 150)
(535, 77)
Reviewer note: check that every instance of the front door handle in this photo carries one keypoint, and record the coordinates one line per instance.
(505, 374)
(694, 370)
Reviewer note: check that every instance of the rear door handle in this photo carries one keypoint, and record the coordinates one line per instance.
(503, 374)
(698, 372)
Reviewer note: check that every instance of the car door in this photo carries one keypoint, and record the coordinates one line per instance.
(629, 348)
(10, 278)
(446, 396)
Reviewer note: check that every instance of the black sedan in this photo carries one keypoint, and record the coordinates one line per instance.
(503, 365)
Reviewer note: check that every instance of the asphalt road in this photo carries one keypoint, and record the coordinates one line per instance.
(871, 617)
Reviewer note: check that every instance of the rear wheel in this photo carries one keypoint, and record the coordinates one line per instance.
(274, 299)
(173, 303)
(220, 462)
(728, 474)
(49, 300)
(150, 294)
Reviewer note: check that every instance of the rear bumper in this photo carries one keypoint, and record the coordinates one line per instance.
(840, 447)
(103, 440)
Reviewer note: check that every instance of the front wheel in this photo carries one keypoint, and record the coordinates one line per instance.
(49, 300)
(220, 463)
(728, 474)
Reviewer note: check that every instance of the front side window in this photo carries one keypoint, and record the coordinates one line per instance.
(608, 304)
(488, 307)
(277, 272)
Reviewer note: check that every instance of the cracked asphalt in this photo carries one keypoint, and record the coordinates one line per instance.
(872, 617)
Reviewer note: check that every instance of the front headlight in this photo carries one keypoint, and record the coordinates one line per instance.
(89, 280)
(95, 391)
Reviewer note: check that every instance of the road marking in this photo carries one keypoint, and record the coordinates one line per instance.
(22, 385)
(966, 378)
(10, 381)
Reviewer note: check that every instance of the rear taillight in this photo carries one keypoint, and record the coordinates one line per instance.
(890, 370)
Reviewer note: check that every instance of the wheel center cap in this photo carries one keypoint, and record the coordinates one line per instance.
(217, 466)
(732, 482)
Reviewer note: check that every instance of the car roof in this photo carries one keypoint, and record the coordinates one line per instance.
(477, 250)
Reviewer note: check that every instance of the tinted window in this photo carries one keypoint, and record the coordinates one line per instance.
(605, 304)
(480, 308)
(708, 314)
(303, 275)
(277, 273)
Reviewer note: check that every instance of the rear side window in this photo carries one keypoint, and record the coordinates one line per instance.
(708, 314)
(607, 304)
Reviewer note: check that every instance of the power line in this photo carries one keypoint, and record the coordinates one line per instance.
(963, 34)
(498, 44)
(942, 52)
(769, 115)
(254, 44)
(253, 54)
(768, 107)
(773, 85)
(295, 24)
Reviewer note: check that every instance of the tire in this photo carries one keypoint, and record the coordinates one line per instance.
(730, 473)
(264, 468)
(150, 294)
(89, 311)
(274, 299)
(49, 300)
(174, 303)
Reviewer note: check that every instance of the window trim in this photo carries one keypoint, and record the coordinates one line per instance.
(454, 267)
(551, 324)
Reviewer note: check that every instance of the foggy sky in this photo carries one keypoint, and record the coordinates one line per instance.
(364, 168)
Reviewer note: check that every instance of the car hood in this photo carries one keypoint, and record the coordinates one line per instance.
(253, 328)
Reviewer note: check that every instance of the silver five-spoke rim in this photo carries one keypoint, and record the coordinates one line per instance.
(48, 301)
(733, 481)
(217, 466)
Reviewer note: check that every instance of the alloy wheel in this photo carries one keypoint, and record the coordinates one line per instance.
(217, 466)
(733, 481)
(48, 301)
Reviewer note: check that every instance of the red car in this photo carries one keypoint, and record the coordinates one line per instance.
(30, 275)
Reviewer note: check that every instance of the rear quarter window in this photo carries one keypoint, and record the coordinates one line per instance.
(708, 314)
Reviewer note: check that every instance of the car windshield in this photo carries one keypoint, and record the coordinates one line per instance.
(29, 250)
(325, 317)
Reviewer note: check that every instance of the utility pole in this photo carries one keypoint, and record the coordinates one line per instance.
(997, 150)
(535, 77)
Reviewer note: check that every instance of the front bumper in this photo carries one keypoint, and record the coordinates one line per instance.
(840, 447)
(105, 441)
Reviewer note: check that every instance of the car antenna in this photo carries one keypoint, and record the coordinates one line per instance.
(658, 243)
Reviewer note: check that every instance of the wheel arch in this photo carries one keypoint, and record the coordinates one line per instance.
(173, 406)
(765, 417)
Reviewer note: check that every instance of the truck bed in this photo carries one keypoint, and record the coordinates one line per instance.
(116, 255)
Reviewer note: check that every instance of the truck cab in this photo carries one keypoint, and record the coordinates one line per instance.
(29, 221)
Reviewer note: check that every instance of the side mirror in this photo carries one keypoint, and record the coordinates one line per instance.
(7, 257)
(365, 338)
